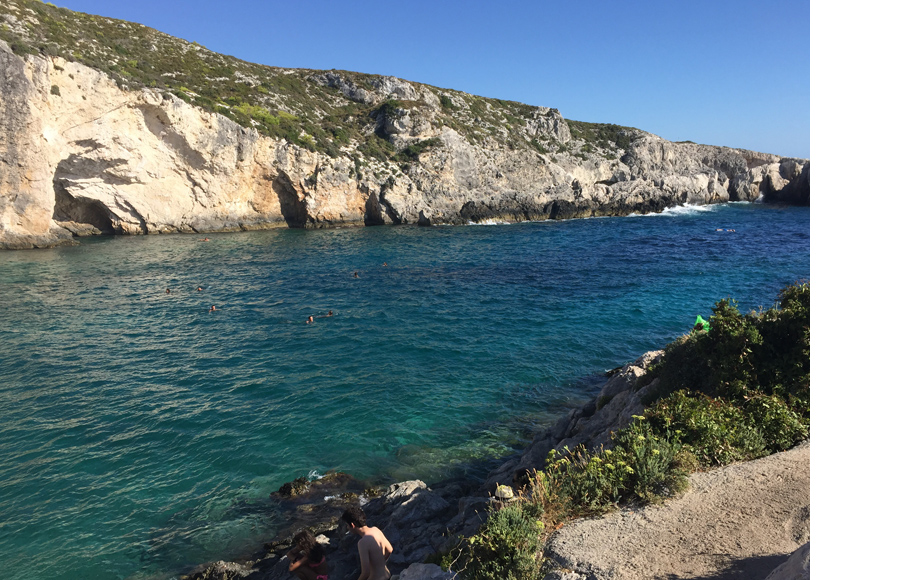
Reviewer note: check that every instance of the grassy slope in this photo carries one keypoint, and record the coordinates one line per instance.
(279, 102)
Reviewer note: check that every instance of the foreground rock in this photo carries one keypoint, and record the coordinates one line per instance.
(795, 568)
(415, 518)
(740, 521)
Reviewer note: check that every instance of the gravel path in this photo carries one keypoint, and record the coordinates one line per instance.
(739, 521)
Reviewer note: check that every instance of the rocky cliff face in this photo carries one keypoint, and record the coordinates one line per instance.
(79, 155)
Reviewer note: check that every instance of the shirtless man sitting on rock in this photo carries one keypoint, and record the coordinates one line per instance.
(373, 546)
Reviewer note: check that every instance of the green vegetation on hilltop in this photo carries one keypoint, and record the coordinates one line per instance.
(605, 136)
(736, 392)
(301, 106)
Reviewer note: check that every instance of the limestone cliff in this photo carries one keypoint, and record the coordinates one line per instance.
(84, 152)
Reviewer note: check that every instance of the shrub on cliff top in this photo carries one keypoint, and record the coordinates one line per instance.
(644, 465)
(765, 353)
(506, 547)
(714, 430)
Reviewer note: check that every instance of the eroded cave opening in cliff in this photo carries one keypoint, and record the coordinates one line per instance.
(293, 209)
(91, 214)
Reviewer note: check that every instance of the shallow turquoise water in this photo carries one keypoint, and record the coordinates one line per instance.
(142, 434)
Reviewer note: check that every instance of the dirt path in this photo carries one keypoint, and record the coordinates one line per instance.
(739, 522)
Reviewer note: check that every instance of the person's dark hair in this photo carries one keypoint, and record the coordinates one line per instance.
(354, 515)
(307, 544)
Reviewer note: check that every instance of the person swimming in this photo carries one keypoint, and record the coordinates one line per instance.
(309, 320)
(212, 309)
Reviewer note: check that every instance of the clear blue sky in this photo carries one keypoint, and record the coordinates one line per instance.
(716, 72)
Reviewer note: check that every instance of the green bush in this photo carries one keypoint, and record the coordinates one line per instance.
(715, 431)
(643, 465)
(652, 457)
(377, 148)
(413, 151)
(781, 426)
(783, 358)
(578, 482)
(506, 546)
(767, 352)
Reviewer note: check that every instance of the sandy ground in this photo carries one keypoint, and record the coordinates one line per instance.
(737, 522)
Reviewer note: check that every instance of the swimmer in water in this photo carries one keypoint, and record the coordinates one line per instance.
(309, 320)
(356, 275)
(212, 309)
(199, 289)
(167, 290)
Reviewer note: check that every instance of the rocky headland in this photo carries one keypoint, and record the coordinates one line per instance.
(743, 520)
(108, 127)
(143, 133)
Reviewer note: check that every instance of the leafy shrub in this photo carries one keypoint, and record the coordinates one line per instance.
(55, 90)
(715, 431)
(781, 426)
(783, 359)
(577, 483)
(377, 148)
(506, 546)
(767, 352)
(389, 109)
(413, 151)
(643, 465)
(655, 472)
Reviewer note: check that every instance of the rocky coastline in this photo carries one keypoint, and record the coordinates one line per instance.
(422, 521)
(81, 154)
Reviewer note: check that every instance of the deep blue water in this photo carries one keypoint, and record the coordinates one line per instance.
(142, 434)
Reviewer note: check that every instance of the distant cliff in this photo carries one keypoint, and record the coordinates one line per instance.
(99, 136)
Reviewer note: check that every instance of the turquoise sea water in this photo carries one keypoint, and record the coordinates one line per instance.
(142, 434)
